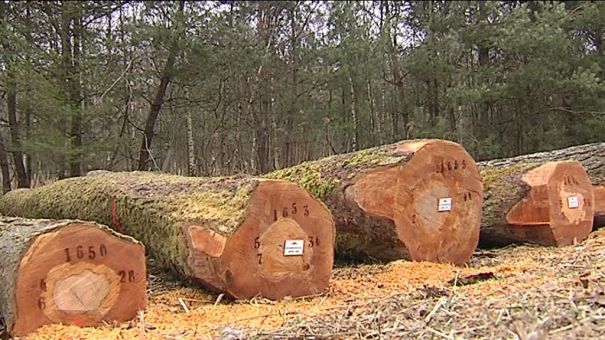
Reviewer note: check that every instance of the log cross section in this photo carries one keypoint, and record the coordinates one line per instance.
(417, 200)
(69, 272)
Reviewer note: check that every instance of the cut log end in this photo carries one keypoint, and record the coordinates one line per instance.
(79, 275)
(284, 246)
(559, 208)
(434, 200)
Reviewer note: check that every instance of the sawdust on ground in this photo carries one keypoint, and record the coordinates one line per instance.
(492, 278)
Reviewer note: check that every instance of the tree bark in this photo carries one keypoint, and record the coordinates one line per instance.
(17, 149)
(191, 163)
(385, 200)
(158, 99)
(226, 233)
(4, 167)
(68, 272)
(75, 98)
(591, 156)
(543, 202)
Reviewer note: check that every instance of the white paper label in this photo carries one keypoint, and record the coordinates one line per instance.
(572, 202)
(445, 204)
(294, 247)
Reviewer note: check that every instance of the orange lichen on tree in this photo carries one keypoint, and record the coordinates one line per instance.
(68, 272)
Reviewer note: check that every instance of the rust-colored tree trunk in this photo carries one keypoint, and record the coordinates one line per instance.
(543, 202)
(242, 236)
(591, 156)
(68, 272)
(418, 200)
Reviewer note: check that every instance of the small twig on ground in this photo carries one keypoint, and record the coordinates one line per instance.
(182, 303)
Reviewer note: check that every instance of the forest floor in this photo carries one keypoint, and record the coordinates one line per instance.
(525, 292)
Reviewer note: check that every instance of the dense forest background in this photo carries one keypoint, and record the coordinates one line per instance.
(214, 88)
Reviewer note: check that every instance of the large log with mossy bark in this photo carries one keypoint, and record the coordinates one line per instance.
(69, 272)
(418, 200)
(548, 203)
(592, 157)
(238, 235)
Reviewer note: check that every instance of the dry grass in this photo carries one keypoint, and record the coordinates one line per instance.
(523, 292)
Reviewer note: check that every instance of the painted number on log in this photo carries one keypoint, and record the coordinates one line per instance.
(290, 211)
(447, 166)
(313, 241)
(573, 202)
(81, 252)
(570, 180)
(445, 204)
(294, 247)
(127, 276)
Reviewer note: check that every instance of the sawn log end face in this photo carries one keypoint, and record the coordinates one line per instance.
(434, 200)
(284, 247)
(559, 207)
(79, 275)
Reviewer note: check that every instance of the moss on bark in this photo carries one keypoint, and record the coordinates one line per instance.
(151, 207)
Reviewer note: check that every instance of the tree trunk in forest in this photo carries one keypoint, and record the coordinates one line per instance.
(17, 149)
(354, 119)
(263, 117)
(70, 55)
(418, 200)
(542, 202)
(191, 160)
(158, 99)
(592, 157)
(242, 236)
(4, 167)
(191, 164)
(11, 105)
(68, 272)
(75, 99)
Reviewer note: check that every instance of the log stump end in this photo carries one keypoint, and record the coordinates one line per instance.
(284, 247)
(559, 208)
(79, 275)
(434, 199)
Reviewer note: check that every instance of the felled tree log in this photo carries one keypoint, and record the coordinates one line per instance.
(592, 157)
(386, 200)
(242, 236)
(548, 203)
(70, 272)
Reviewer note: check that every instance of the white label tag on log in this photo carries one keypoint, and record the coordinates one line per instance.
(294, 247)
(445, 204)
(572, 202)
